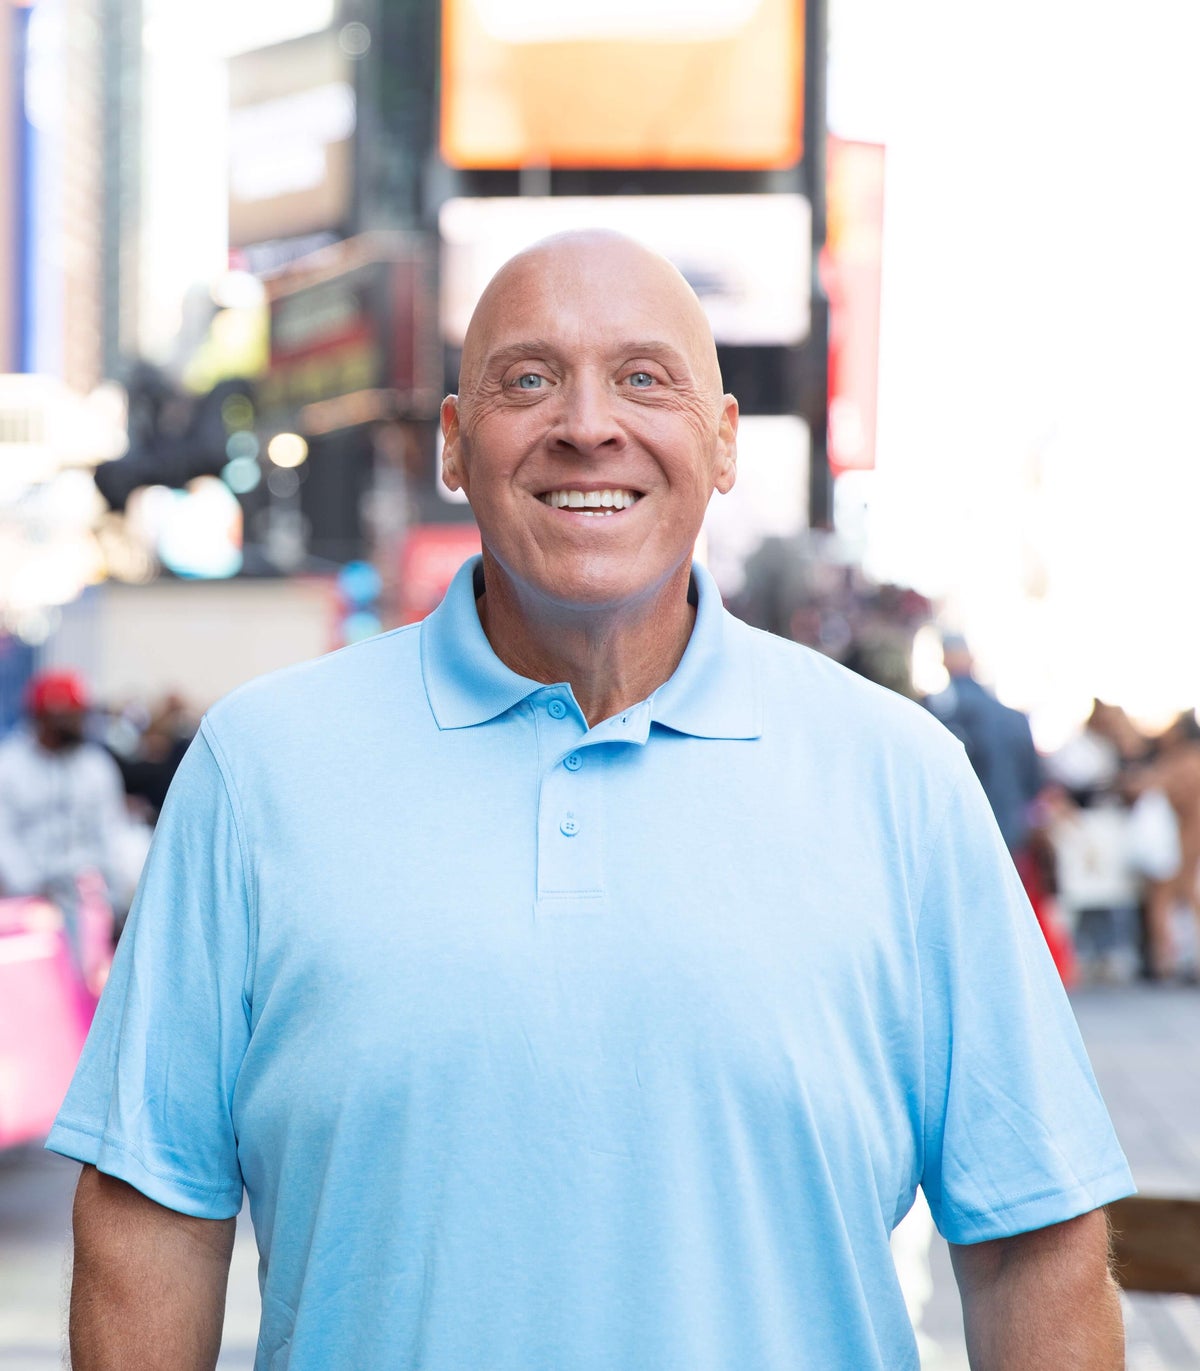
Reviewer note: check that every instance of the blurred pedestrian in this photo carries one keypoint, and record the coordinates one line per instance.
(148, 770)
(998, 740)
(62, 809)
(1100, 886)
(583, 979)
(1168, 789)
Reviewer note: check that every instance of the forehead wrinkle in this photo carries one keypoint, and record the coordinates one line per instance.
(572, 266)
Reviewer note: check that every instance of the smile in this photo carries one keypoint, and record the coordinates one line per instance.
(591, 501)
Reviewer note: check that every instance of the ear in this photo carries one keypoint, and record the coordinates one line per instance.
(726, 466)
(452, 472)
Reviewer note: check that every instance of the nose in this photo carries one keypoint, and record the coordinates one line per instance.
(587, 422)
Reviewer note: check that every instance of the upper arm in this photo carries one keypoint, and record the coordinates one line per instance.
(109, 1212)
(148, 1288)
(1043, 1300)
(1075, 1250)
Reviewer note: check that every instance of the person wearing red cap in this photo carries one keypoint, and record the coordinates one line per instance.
(62, 807)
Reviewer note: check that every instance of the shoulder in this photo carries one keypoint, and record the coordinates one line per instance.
(297, 702)
(862, 739)
(814, 690)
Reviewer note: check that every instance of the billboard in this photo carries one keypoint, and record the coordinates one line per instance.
(622, 83)
(292, 117)
(746, 256)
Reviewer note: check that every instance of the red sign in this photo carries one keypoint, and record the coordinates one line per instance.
(851, 269)
(430, 556)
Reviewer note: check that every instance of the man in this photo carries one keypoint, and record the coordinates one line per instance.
(998, 740)
(578, 980)
(62, 805)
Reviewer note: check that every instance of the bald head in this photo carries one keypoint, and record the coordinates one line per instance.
(594, 273)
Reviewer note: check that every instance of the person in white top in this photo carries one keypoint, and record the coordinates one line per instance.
(62, 803)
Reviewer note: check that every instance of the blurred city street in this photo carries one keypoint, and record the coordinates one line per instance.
(1143, 1041)
(308, 311)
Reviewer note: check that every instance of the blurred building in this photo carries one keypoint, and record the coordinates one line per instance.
(10, 226)
(381, 169)
(70, 168)
(71, 160)
(122, 70)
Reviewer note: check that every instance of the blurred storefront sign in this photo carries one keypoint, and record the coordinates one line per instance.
(747, 256)
(613, 83)
(45, 427)
(851, 269)
(291, 146)
(351, 335)
(50, 551)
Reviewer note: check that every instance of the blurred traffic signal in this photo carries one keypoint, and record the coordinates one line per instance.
(174, 438)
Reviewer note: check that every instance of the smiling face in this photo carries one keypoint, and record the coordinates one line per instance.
(590, 431)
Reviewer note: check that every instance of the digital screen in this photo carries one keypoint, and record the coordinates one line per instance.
(622, 83)
(748, 257)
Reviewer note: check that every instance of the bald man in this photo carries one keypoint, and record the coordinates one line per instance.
(581, 980)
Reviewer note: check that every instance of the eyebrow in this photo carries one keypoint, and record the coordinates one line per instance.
(543, 347)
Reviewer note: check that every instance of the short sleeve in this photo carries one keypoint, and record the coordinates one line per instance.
(1016, 1134)
(151, 1101)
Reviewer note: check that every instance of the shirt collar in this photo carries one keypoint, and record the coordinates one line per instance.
(713, 692)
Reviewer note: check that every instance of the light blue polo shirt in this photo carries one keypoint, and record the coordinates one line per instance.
(541, 1048)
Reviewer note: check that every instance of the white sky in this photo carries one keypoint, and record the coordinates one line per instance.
(1040, 345)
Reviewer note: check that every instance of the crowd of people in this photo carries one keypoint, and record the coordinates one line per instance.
(1121, 807)
(1105, 831)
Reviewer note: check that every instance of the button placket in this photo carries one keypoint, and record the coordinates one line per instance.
(569, 818)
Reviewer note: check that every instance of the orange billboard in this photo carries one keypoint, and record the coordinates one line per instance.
(622, 83)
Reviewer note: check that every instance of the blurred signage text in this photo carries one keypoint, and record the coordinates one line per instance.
(352, 320)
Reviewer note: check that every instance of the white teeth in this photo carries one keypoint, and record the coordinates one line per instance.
(589, 500)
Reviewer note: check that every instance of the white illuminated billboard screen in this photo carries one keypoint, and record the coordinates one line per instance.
(748, 257)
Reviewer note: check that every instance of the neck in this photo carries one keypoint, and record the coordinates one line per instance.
(612, 657)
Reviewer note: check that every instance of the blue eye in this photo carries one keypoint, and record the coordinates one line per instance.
(641, 379)
(530, 380)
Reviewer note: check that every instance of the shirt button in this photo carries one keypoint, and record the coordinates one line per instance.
(573, 761)
(569, 827)
(556, 709)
